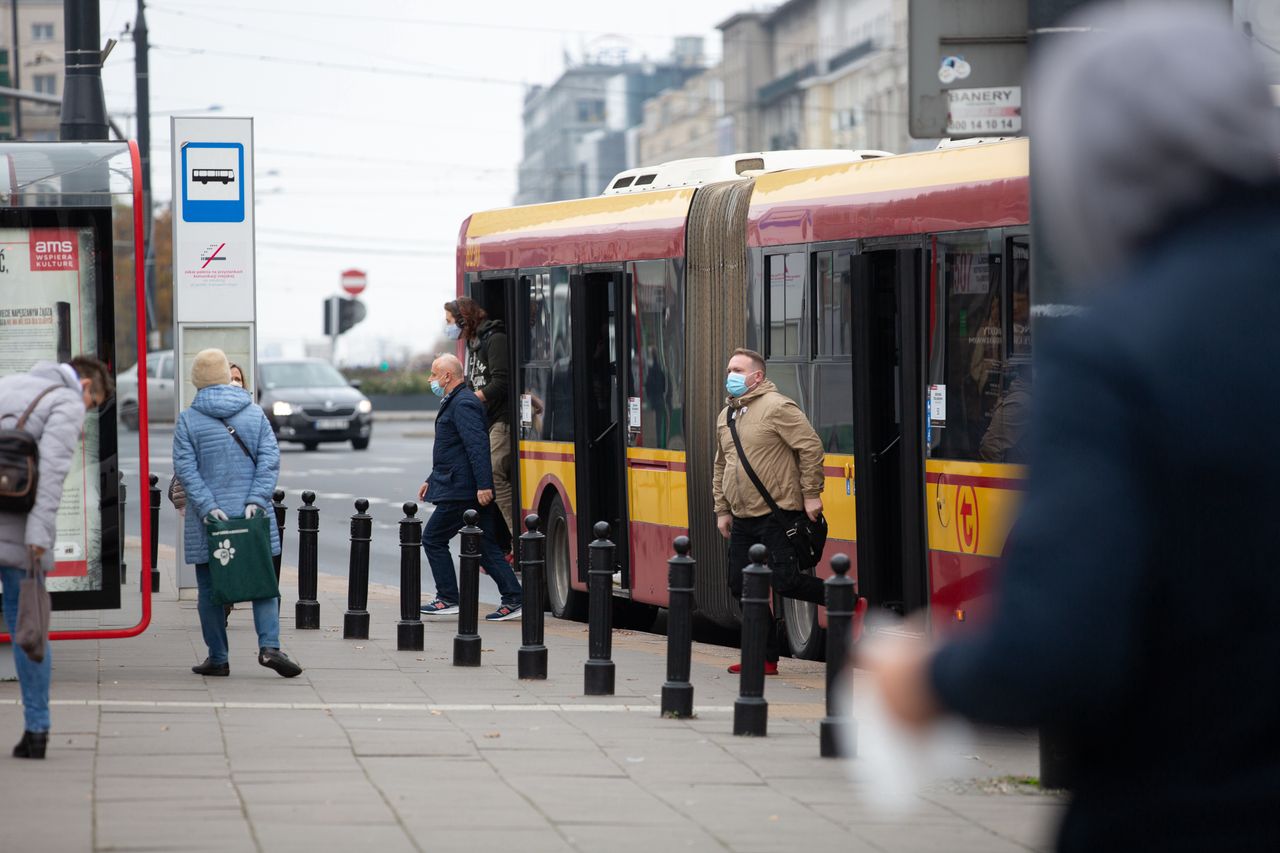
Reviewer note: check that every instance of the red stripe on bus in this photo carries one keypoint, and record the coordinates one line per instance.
(546, 455)
(657, 465)
(1006, 483)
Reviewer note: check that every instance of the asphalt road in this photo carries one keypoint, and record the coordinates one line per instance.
(387, 474)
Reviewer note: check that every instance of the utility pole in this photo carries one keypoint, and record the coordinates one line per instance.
(84, 107)
(17, 71)
(142, 88)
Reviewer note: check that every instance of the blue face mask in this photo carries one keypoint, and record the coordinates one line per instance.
(735, 384)
(452, 332)
(437, 388)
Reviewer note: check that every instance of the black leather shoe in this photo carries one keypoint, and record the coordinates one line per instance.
(279, 661)
(32, 745)
(210, 668)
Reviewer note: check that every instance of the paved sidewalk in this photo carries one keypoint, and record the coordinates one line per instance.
(375, 749)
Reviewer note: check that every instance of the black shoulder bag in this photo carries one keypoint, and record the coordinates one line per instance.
(20, 462)
(807, 538)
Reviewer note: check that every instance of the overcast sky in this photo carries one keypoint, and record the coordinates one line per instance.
(379, 126)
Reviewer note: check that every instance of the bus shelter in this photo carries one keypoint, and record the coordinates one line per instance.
(71, 282)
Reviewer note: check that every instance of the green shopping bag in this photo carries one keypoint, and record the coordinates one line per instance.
(240, 559)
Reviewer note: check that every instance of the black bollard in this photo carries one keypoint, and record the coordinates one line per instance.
(599, 671)
(277, 504)
(751, 711)
(124, 494)
(466, 645)
(838, 732)
(355, 622)
(155, 532)
(677, 693)
(409, 632)
(306, 613)
(532, 658)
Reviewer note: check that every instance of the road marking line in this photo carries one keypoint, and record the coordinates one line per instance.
(370, 706)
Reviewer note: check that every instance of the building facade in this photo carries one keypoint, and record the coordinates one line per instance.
(38, 68)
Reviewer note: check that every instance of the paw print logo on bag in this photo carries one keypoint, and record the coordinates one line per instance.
(225, 552)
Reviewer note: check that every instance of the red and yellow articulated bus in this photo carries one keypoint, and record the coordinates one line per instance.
(890, 298)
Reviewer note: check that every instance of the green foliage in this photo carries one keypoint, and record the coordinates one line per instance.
(373, 380)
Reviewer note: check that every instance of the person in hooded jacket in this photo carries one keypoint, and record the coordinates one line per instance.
(488, 375)
(222, 480)
(1137, 614)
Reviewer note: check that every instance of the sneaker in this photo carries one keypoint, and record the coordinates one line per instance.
(503, 613)
(439, 608)
(770, 668)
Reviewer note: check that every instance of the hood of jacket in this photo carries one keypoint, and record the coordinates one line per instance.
(1159, 113)
(221, 401)
(51, 371)
(766, 386)
(489, 327)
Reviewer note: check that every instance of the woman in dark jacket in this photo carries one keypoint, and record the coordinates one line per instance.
(222, 479)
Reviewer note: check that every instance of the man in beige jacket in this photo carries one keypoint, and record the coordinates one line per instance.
(786, 454)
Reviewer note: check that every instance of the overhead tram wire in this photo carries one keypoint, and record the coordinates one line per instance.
(451, 77)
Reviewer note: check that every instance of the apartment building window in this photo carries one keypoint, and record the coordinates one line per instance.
(45, 84)
(42, 32)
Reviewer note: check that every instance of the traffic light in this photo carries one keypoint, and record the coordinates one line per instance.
(349, 311)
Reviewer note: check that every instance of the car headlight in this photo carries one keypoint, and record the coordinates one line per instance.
(364, 407)
(281, 409)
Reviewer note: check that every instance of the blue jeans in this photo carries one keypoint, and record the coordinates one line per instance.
(33, 678)
(443, 525)
(213, 619)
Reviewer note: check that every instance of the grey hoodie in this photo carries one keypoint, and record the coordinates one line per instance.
(56, 423)
(1155, 113)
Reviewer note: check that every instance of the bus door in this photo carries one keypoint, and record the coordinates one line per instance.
(496, 294)
(599, 303)
(889, 435)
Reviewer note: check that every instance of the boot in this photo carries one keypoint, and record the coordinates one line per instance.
(279, 661)
(32, 745)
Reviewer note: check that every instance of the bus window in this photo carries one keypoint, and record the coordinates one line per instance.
(545, 375)
(561, 403)
(834, 305)
(786, 305)
(1020, 296)
(1004, 438)
(968, 343)
(657, 358)
(832, 410)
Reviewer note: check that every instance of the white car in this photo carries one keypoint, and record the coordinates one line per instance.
(160, 390)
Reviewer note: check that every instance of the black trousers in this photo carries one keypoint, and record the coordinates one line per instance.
(787, 579)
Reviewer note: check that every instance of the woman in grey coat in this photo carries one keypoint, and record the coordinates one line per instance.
(222, 479)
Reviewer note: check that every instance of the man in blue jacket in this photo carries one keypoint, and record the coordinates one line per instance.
(1138, 612)
(462, 479)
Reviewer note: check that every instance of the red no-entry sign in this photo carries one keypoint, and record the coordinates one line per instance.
(354, 281)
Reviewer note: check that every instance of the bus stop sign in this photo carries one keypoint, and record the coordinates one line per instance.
(967, 62)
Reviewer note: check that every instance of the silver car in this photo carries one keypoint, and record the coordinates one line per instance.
(160, 390)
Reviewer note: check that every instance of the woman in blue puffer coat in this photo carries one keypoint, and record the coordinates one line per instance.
(221, 480)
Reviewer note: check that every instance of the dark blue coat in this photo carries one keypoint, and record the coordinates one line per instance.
(460, 464)
(1138, 612)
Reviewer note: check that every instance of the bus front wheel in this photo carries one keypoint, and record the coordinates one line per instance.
(564, 601)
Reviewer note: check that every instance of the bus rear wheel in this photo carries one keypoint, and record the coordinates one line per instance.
(805, 637)
(564, 601)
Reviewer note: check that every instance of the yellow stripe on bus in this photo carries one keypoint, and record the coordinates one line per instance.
(971, 506)
(581, 214)
(533, 469)
(988, 162)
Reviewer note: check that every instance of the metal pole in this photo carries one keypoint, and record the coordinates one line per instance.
(751, 711)
(155, 532)
(409, 631)
(142, 89)
(466, 644)
(532, 658)
(124, 494)
(84, 108)
(355, 622)
(677, 693)
(598, 674)
(306, 613)
(17, 75)
(838, 733)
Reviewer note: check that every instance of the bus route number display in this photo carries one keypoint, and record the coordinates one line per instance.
(996, 110)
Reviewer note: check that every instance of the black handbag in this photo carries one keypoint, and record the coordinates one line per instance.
(807, 538)
(20, 462)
